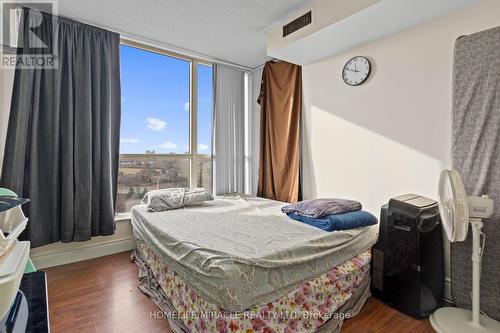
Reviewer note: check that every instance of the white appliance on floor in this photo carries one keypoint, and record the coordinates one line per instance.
(457, 211)
(13, 258)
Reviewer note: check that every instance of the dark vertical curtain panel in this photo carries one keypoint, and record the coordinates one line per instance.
(62, 145)
(476, 155)
(280, 117)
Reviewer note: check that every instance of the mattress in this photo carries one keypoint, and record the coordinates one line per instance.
(318, 305)
(239, 251)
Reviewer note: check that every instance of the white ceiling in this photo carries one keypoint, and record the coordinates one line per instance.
(230, 30)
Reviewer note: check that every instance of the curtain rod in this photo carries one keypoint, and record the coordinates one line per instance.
(161, 45)
(257, 68)
(262, 66)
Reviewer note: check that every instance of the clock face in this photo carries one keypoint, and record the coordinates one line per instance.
(356, 71)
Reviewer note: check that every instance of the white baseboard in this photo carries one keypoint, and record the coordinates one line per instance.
(74, 255)
(447, 290)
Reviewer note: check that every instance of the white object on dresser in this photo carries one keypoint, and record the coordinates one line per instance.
(12, 223)
(12, 265)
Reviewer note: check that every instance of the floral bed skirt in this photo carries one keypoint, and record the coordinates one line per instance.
(316, 306)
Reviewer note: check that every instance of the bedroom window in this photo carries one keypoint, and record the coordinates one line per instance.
(205, 97)
(166, 123)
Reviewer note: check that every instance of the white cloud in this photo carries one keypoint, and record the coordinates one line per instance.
(129, 140)
(156, 124)
(168, 145)
(203, 146)
(186, 106)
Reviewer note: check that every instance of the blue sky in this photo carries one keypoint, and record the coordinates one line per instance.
(155, 103)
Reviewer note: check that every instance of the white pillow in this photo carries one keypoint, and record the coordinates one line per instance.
(173, 198)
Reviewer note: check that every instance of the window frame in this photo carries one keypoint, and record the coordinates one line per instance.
(193, 112)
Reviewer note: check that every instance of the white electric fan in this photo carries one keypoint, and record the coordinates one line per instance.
(457, 211)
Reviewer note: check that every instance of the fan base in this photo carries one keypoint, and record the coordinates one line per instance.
(455, 320)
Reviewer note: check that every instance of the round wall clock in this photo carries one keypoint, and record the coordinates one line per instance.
(356, 71)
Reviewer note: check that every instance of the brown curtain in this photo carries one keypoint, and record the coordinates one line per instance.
(281, 107)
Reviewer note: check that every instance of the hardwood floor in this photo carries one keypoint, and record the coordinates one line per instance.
(376, 317)
(101, 295)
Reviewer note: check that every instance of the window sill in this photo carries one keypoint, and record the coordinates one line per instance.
(123, 217)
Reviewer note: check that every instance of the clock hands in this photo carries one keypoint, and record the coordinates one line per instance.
(359, 75)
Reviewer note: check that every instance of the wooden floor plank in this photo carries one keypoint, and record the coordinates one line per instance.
(101, 296)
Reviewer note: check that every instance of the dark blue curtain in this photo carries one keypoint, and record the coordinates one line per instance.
(62, 144)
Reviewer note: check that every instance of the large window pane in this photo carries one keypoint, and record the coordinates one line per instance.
(155, 102)
(155, 120)
(205, 96)
(140, 173)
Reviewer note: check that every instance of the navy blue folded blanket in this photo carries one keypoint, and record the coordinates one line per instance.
(349, 220)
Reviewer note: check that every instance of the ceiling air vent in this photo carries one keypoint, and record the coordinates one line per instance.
(297, 24)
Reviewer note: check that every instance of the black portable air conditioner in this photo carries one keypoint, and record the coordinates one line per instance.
(407, 261)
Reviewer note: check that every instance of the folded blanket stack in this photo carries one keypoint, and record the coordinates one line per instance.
(330, 214)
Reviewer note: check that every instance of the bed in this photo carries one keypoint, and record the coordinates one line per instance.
(237, 264)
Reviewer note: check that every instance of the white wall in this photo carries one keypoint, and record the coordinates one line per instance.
(391, 135)
(56, 254)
